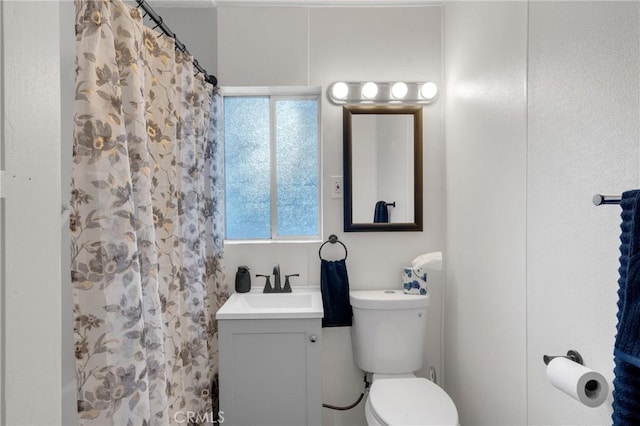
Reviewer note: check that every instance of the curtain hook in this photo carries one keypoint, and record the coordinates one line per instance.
(159, 22)
(140, 3)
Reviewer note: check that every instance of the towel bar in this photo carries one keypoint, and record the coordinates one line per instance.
(600, 199)
(333, 239)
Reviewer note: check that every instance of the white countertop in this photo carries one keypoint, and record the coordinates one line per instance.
(302, 302)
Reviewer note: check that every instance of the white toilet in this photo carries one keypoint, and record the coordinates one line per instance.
(388, 336)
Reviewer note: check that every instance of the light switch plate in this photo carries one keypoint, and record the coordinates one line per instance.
(336, 186)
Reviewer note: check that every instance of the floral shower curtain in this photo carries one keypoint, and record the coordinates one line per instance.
(146, 225)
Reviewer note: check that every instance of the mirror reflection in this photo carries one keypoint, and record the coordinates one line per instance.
(383, 168)
(382, 176)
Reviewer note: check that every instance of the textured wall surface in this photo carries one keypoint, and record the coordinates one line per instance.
(31, 308)
(485, 328)
(195, 26)
(542, 113)
(584, 107)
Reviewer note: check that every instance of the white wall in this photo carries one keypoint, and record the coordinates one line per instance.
(2, 220)
(485, 307)
(583, 133)
(67, 91)
(319, 46)
(195, 26)
(542, 113)
(31, 287)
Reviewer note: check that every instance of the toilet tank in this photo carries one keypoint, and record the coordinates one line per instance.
(388, 333)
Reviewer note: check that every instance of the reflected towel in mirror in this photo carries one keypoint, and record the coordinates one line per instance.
(381, 213)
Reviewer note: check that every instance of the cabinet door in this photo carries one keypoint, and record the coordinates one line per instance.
(270, 372)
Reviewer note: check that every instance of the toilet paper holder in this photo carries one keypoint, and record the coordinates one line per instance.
(571, 354)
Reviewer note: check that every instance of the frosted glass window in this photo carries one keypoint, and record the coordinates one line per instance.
(271, 167)
(296, 153)
(247, 164)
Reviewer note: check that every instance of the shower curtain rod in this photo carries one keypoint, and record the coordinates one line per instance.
(179, 45)
(600, 199)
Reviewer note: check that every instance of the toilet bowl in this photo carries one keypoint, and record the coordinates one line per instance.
(389, 338)
(409, 401)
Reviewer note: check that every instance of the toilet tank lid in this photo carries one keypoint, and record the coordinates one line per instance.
(387, 299)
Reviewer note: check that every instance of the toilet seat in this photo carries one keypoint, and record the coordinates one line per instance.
(411, 401)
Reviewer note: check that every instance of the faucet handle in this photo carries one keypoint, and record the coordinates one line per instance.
(287, 286)
(267, 283)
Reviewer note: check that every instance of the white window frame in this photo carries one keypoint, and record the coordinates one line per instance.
(279, 93)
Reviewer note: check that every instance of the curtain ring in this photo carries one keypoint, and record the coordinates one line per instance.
(197, 67)
(159, 22)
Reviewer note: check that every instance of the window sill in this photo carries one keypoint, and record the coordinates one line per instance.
(256, 242)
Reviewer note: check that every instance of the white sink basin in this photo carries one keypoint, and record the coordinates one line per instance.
(301, 303)
(276, 301)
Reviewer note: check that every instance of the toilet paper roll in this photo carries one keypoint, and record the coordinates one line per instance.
(577, 381)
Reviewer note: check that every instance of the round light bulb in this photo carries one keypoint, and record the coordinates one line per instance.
(369, 90)
(399, 90)
(429, 90)
(340, 90)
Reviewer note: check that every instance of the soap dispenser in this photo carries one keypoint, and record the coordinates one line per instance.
(243, 279)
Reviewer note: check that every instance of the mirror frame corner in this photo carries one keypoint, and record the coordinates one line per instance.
(347, 114)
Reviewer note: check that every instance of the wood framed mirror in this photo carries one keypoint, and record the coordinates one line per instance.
(382, 151)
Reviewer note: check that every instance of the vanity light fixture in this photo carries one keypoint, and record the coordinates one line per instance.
(429, 90)
(369, 91)
(397, 92)
(340, 90)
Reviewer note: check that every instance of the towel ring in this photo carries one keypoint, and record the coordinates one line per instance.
(332, 239)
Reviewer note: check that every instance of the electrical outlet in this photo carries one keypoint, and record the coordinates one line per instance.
(336, 186)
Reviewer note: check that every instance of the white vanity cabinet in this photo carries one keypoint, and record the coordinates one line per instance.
(270, 372)
(270, 362)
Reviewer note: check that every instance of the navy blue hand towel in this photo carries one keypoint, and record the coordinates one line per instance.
(626, 384)
(334, 284)
(381, 213)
